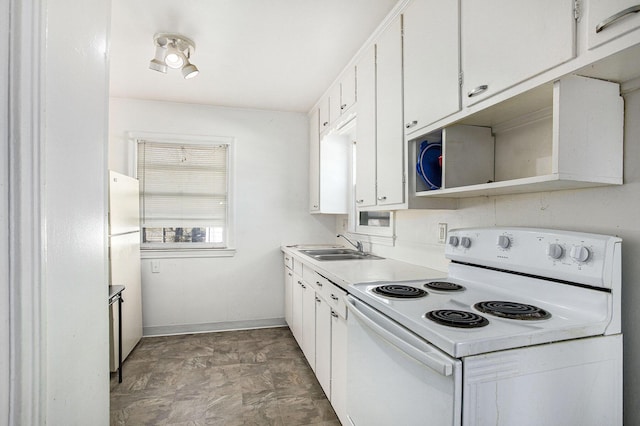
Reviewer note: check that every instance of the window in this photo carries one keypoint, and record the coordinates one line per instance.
(184, 193)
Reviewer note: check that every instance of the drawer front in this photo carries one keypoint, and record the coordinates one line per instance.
(336, 297)
(610, 19)
(288, 261)
(297, 267)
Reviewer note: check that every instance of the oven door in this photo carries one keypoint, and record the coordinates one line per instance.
(395, 377)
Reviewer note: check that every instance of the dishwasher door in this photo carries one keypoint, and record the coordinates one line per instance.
(395, 377)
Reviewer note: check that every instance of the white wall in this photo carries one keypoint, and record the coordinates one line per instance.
(271, 199)
(608, 210)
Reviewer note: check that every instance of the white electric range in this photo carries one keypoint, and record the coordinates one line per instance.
(524, 329)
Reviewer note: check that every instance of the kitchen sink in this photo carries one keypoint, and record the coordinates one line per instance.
(338, 254)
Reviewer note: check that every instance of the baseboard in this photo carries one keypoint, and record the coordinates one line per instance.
(166, 330)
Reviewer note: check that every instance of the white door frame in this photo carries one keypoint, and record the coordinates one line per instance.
(22, 338)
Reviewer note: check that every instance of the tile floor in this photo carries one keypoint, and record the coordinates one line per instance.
(247, 377)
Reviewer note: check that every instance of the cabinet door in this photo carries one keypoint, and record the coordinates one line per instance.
(390, 132)
(314, 162)
(296, 309)
(348, 90)
(323, 345)
(309, 324)
(339, 366)
(365, 192)
(609, 19)
(507, 41)
(334, 103)
(288, 296)
(431, 45)
(324, 115)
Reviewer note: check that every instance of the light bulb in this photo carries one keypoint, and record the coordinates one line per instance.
(174, 60)
(189, 71)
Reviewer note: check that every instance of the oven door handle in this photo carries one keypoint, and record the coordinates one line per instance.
(401, 338)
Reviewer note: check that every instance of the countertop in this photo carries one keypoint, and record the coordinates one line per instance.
(346, 272)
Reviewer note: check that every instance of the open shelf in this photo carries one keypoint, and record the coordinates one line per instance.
(565, 135)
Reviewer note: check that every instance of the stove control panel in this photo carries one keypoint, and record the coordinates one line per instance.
(564, 255)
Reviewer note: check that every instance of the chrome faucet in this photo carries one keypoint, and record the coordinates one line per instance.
(358, 246)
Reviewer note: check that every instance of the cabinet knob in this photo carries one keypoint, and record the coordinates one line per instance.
(333, 314)
(290, 274)
(613, 18)
(359, 201)
(325, 124)
(411, 124)
(318, 299)
(319, 284)
(303, 286)
(315, 206)
(382, 198)
(334, 297)
(477, 90)
(343, 106)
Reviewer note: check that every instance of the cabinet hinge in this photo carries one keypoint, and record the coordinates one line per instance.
(577, 10)
(404, 178)
(460, 77)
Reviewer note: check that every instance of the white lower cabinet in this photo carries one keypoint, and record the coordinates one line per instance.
(323, 345)
(339, 366)
(309, 324)
(288, 296)
(296, 309)
(318, 322)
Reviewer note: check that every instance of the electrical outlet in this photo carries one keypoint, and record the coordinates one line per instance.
(442, 232)
(155, 266)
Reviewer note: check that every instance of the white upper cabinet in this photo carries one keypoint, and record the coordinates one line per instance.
(324, 115)
(505, 42)
(365, 191)
(389, 132)
(334, 103)
(431, 45)
(610, 19)
(342, 95)
(348, 89)
(314, 161)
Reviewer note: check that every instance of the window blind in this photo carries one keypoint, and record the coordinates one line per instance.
(183, 185)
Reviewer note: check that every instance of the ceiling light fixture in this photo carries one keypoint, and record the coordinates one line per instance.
(173, 51)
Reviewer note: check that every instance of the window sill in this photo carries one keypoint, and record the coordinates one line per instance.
(185, 253)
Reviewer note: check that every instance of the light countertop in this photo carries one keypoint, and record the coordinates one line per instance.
(346, 272)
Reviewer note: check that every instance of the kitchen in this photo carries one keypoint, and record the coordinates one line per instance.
(607, 210)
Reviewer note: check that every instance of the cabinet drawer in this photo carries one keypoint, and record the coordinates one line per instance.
(610, 19)
(297, 267)
(315, 279)
(288, 261)
(335, 296)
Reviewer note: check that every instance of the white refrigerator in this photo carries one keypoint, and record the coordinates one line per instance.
(124, 262)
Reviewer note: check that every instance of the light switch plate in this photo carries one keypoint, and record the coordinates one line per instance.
(155, 266)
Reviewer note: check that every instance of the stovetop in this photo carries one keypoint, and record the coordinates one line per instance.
(559, 309)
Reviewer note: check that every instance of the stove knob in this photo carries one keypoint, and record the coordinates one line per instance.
(503, 241)
(453, 241)
(555, 251)
(580, 253)
(465, 242)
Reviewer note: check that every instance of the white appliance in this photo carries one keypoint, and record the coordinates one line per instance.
(524, 330)
(124, 262)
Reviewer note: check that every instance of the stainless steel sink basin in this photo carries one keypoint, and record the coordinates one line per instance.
(316, 252)
(338, 254)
